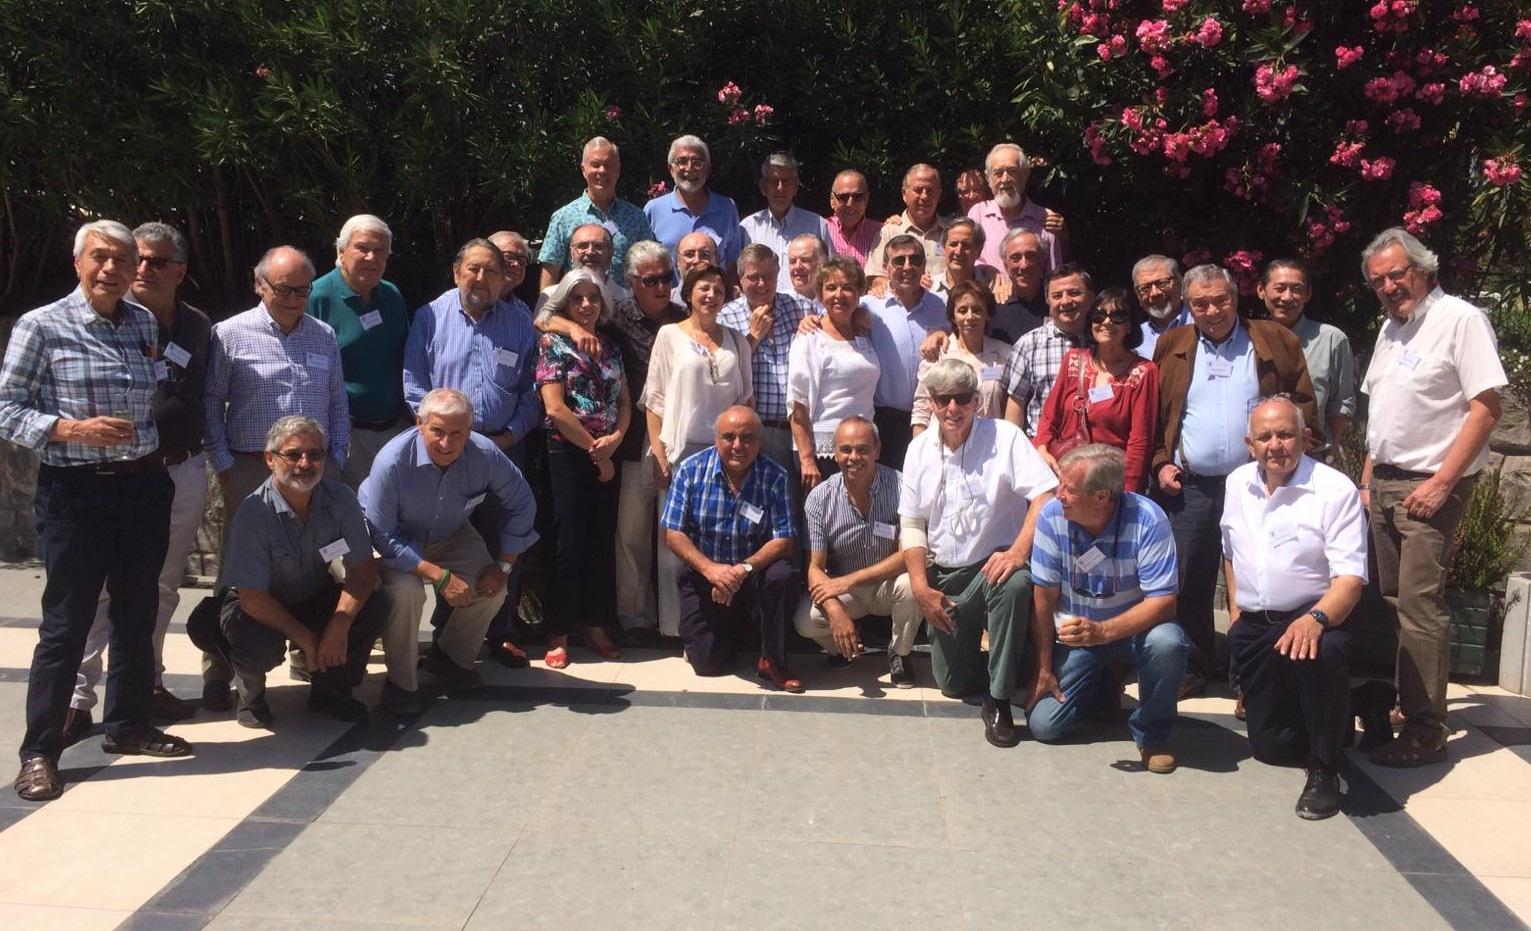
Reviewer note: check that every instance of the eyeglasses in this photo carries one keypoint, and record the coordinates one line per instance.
(1115, 316)
(282, 290)
(849, 197)
(157, 262)
(513, 258)
(739, 437)
(916, 259)
(1158, 284)
(295, 456)
(962, 398)
(688, 161)
(649, 281)
(1397, 275)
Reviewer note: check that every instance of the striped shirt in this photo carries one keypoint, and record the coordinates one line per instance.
(1138, 563)
(1033, 367)
(853, 540)
(728, 528)
(493, 362)
(65, 360)
(262, 374)
(768, 363)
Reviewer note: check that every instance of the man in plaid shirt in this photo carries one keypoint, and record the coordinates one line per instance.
(769, 318)
(1038, 355)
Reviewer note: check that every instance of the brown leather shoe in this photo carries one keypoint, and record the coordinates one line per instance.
(1158, 759)
(38, 780)
(77, 725)
(165, 707)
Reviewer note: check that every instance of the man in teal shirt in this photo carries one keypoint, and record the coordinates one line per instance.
(371, 323)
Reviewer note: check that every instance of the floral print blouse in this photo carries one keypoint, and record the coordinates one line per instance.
(591, 388)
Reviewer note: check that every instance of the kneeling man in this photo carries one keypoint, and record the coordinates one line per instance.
(1104, 571)
(1294, 537)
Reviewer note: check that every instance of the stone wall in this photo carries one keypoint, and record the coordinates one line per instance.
(1510, 450)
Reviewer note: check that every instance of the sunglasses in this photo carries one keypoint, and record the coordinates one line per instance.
(649, 281)
(157, 262)
(850, 197)
(295, 456)
(963, 399)
(900, 261)
(1115, 316)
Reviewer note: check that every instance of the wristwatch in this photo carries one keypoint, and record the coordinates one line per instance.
(505, 565)
(1321, 617)
(747, 568)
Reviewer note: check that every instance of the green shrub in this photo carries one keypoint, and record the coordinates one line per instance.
(1489, 546)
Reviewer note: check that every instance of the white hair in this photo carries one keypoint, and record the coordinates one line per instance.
(361, 223)
(644, 251)
(1149, 261)
(444, 402)
(689, 141)
(1419, 256)
(106, 229)
(1302, 422)
(988, 160)
(292, 425)
(1105, 468)
(1209, 273)
(818, 244)
(598, 142)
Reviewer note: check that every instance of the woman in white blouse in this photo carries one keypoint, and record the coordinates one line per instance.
(970, 308)
(831, 372)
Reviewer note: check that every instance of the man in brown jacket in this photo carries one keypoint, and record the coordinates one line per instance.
(1211, 375)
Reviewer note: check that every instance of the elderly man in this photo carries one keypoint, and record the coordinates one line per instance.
(1156, 282)
(728, 517)
(370, 323)
(695, 250)
(1286, 288)
(1008, 169)
(769, 318)
(1022, 297)
(961, 242)
(922, 195)
(271, 361)
(184, 332)
(601, 165)
(782, 221)
(77, 386)
(487, 349)
(1294, 545)
(590, 246)
(1103, 568)
(1038, 355)
(692, 206)
(854, 564)
(287, 537)
(968, 509)
(805, 256)
(901, 321)
(851, 231)
(1210, 377)
(425, 486)
(514, 256)
(1433, 383)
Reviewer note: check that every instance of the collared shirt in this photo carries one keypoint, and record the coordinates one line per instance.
(1287, 546)
(897, 332)
(493, 362)
(180, 411)
(671, 220)
(1224, 389)
(768, 363)
(761, 227)
(942, 288)
(1017, 317)
(263, 374)
(1033, 367)
(625, 222)
(973, 499)
(1331, 369)
(371, 337)
(635, 340)
(411, 502)
(1422, 375)
(833, 379)
(996, 226)
(1099, 577)
(270, 550)
(856, 243)
(1151, 335)
(931, 236)
(850, 538)
(725, 527)
(66, 360)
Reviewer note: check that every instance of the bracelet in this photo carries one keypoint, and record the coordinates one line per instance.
(441, 583)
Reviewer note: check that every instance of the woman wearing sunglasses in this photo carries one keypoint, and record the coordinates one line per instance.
(1105, 392)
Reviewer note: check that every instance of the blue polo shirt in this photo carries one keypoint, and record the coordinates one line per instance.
(672, 220)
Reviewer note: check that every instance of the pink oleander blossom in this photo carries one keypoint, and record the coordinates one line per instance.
(1502, 171)
(1115, 48)
(613, 113)
(1433, 93)
(729, 94)
(1345, 57)
(657, 189)
(1208, 34)
(1377, 169)
(1097, 144)
(1403, 121)
(1392, 15)
(1245, 266)
(1209, 103)
(1256, 7)
(1347, 154)
(1485, 83)
(1171, 7)
(1272, 85)
(1154, 36)
(1523, 30)
(1161, 96)
(737, 116)
(763, 113)
(1161, 66)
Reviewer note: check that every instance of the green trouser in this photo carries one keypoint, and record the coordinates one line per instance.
(956, 658)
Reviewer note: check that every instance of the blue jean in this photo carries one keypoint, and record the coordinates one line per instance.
(1158, 654)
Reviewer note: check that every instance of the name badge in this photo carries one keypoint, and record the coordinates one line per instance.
(473, 503)
(177, 355)
(371, 319)
(989, 373)
(1101, 393)
(506, 358)
(611, 227)
(161, 370)
(1089, 559)
(1409, 359)
(319, 361)
(884, 531)
(1220, 368)
(334, 550)
(750, 512)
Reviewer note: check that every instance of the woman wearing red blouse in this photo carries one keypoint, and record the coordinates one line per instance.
(1105, 393)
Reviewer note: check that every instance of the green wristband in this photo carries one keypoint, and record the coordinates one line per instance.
(446, 576)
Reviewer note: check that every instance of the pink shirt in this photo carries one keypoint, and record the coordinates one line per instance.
(859, 242)
(994, 225)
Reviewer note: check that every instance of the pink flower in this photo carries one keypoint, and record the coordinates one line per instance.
(1423, 195)
(738, 115)
(1272, 85)
(1347, 154)
(729, 94)
(1392, 15)
(1154, 36)
(1177, 147)
(1209, 103)
(1345, 57)
(1377, 169)
(1172, 6)
(1466, 13)
(1161, 96)
(763, 113)
(1418, 221)
(1095, 24)
(1432, 93)
(1381, 90)
(1097, 144)
(1520, 102)
(657, 188)
(613, 113)
(1245, 266)
(262, 72)
(1502, 171)
(1523, 30)
(1161, 66)
(1403, 121)
(1256, 7)
(1319, 236)
(1208, 34)
(1428, 61)
(1485, 83)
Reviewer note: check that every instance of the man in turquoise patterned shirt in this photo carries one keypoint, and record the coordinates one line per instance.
(601, 165)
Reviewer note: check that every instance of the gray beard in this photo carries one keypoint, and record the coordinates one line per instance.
(1007, 200)
(1162, 312)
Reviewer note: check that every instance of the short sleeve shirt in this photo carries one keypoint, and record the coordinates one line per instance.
(592, 388)
(1099, 577)
(625, 222)
(852, 539)
(726, 527)
(272, 551)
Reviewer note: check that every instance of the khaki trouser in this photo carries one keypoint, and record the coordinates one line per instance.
(636, 520)
(890, 596)
(365, 444)
(466, 555)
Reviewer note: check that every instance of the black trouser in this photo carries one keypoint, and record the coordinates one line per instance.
(894, 431)
(1298, 710)
(582, 593)
(711, 631)
(96, 530)
(488, 519)
(1195, 515)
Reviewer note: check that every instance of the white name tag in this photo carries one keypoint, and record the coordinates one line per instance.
(750, 512)
(1101, 393)
(371, 319)
(989, 373)
(611, 227)
(473, 503)
(334, 550)
(506, 358)
(1219, 368)
(177, 355)
(319, 361)
(161, 370)
(1409, 359)
(1089, 559)
(885, 531)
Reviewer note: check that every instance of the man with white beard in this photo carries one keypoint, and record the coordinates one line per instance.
(1156, 282)
(1008, 169)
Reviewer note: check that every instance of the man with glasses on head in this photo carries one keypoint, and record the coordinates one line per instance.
(601, 165)
(1038, 355)
(851, 231)
(901, 320)
(1434, 385)
(1008, 170)
(692, 206)
(782, 221)
(1156, 282)
(919, 219)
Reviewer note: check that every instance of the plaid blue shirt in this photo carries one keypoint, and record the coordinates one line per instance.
(703, 507)
(1139, 562)
(768, 363)
(493, 362)
(66, 360)
(626, 223)
(1033, 367)
(263, 374)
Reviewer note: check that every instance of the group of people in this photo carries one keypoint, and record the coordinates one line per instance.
(751, 426)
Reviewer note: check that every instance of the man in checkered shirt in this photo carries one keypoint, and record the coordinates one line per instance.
(1038, 355)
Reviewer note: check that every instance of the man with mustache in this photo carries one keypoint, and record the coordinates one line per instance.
(694, 207)
(1008, 169)
(1156, 282)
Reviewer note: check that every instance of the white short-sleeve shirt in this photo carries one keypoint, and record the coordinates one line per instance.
(834, 379)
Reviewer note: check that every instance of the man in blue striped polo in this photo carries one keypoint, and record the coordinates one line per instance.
(1103, 568)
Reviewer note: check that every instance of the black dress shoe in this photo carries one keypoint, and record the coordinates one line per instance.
(336, 704)
(1320, 798)
(396, 701)
(167, 708)
(452, 677)
(255, 714)
(77, 726)
(998, 726)
(216, 696)
(1372, 702)
(901, 670)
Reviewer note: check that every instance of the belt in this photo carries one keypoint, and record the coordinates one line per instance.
(388, 424)
(149, 463)
(778, 424)
(1186, 475)
(1392, 473)
(175, 459)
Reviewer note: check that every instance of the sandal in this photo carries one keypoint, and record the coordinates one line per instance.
(557, 658)
(38, 780)
(597, 642)
(508, 654)
(1415, 746)
(148, 742)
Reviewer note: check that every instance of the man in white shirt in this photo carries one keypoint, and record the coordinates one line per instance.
(1294, 545)
(968, 509)
(782, 221)
(1433, 385)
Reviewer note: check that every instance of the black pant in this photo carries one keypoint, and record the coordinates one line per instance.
(711, 631)
(1298, 710)
(251, 649)
(894, 431)
(488, 520)
(582, 593)
(1194, 516)
(96, 530)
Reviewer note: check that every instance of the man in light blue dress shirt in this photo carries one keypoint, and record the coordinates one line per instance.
(900, 322)
(783, 221)
(692, 206)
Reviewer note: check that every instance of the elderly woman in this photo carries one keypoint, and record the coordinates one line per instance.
(970, 308)
(831, 371)
(1105, 392)
(587, 412)
(968, 506)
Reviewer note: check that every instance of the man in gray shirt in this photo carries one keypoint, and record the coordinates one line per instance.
(1286, 287)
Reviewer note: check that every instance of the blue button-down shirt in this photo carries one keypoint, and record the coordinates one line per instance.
(262, 374)
(763, 228)
(625, 222)
(718, 523)
(411, 502)
(66, 360)
(768, 363)
(897, 332)
(1151, 335)
(672, 220)
(493, 362)
(1224, 388)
